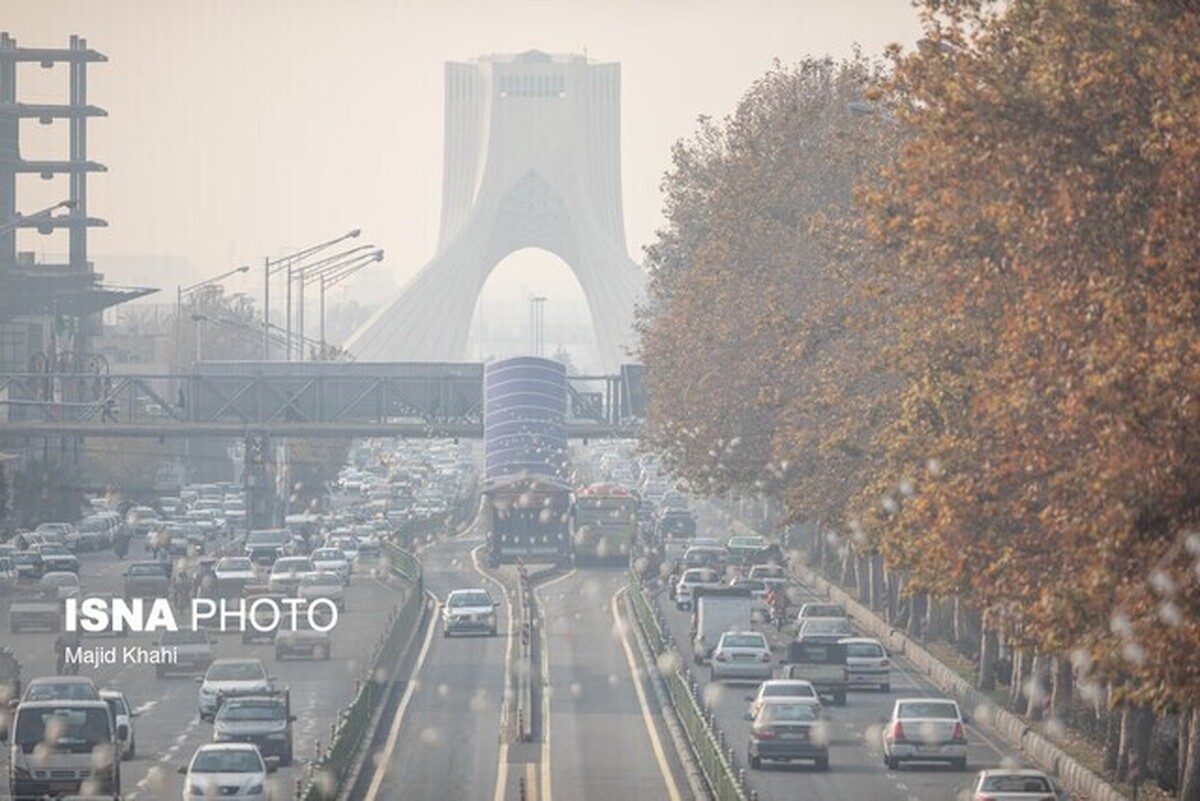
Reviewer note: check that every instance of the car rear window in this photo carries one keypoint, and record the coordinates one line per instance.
(743, 641)
(789, 691)
(1016, 784)
(937, 710)
(789, 712)
(867, 650)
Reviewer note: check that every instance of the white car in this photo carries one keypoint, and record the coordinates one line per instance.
(123, 716)
(332, 560)
(228, 771)
(925, 730)
(235, 568)
(867, 663)
(469, 610)
(323, 585)
(228, 677)
(792, 689)
(691, 579)
(1004, 784)
(741, 656)
(66, 584)
(287, 572)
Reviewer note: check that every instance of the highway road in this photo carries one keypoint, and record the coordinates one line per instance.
(445, 738)
(605, 738)
(168, 728)
(856, 770)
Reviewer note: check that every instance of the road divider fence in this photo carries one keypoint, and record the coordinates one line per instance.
(327, 773)
(716, 757)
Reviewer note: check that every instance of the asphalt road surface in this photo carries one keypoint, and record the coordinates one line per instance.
(167, 727)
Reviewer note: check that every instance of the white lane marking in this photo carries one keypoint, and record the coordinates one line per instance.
(385, 758)
(545, 668)
(659, 755)
(502, 758)
(146, 707)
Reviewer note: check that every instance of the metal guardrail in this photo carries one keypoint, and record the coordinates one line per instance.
(327, 773)
(526, 610)
(716, 758)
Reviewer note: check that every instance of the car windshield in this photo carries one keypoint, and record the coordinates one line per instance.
(799, 713)
(223, 761)
(235, 564)
(147, 570)
(328, 555)
(939, 710)
(236, 671)
(825, 627)
(699, 575)
(292, 566)
(184, 637)
(789, 690)
(823, 610)
(864, 650)
(117, 704)
(52, 549)
(65, 690)
(743, 641)
(321, 579)
(251, 710)
(66, 728)
(60, 579)
(1016, 784)
(471, 599)
(266, 538)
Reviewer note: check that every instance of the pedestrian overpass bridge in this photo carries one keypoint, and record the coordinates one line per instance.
(295, 399)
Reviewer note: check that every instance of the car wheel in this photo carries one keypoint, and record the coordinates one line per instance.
(887, 688)
(286, 759)
(132, 749)
(278, 655)
(756, 762)
(446, 632)
(839, 699)
(960, 764)
(892, 763)
(822, 763)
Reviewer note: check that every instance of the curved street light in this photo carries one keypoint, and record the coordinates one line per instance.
(272, 266)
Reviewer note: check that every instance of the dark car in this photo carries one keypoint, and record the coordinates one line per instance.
(264, 720)
(29, 566)
(55, 556)
(785, 730)
(147, 580)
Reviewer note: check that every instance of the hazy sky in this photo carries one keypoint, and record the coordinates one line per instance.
(237, 129)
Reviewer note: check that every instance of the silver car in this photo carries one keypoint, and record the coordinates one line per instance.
(925, 730)
(741, 656)
(469, 610)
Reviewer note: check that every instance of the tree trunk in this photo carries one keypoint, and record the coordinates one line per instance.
(847, 569)
(862, 579)
(1125, 750)
(988, 647)
(1181, 760)
(1112, 736)
(918, 605)
(1143, 730)
(1039, 685)
(1016, 690)
(1189, 787)
(875, 569)
(1062, 691)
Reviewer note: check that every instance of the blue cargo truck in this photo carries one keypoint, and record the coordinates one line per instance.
(525, 507)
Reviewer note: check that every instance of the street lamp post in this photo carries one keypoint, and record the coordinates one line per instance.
(273, 266)
(199, 319)
(180, 293)
(307, 273)
(337, 275)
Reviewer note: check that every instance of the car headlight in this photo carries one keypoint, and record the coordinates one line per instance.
(254, 789)
(220, 737)
(195, 789)
(206, 690)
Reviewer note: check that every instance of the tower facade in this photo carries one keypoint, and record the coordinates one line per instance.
(532, 159)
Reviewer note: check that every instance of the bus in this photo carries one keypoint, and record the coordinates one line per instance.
(527, 520)
(604, 524)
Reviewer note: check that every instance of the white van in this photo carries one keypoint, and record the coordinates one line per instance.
(716, 613)
(82, 759)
